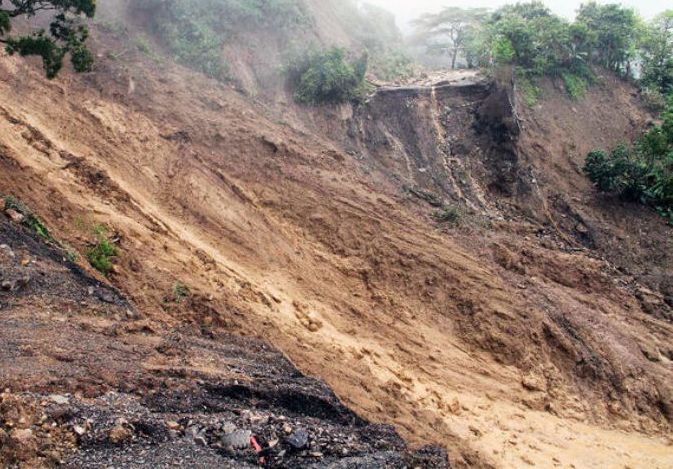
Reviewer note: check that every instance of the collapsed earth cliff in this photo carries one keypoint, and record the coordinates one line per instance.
(537, 331)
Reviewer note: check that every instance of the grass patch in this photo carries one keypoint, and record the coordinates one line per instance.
(100, 255)
(575, 85)
(530, 91)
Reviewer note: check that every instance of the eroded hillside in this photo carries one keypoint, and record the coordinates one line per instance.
(538, 332)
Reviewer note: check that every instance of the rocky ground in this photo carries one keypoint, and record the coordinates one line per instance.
(87, 382)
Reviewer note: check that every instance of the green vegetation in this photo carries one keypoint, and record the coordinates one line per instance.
(448, 215)
(100, 255)
(575, 84)
(30, 220)
(392, 65)
(146, 48)
(657, 56)
(195, 31)
(539, 43)
(180, 292)
(67, 35)
(327, 77)
(529, 89)
(642, 172)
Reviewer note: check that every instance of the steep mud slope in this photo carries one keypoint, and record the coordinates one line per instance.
(496, 340)
(87, 382)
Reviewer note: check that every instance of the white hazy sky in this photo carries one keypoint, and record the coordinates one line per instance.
(409, 9)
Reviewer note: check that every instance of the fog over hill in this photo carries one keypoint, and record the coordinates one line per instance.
(407, 11)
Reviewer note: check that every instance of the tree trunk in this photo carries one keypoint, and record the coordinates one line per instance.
(453, 59)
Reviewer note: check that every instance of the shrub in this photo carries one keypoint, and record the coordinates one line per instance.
(180, 292)
(392, 65)
(575, 85)
(642, 172)
(450, 215)
(530, 91)
(654, 100)
(327, 77)
(100, 255)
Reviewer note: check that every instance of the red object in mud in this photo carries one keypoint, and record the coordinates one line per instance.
(258, 449)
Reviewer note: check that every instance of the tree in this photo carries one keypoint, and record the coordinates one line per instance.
(66, 34)
(319, 77)
(657, 54)
(615, 32)
(451, 31)
(540, 42)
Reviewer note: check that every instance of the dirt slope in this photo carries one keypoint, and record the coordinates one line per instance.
(500, 339)
(87, 382)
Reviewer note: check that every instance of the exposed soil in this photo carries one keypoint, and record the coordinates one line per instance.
(88, 383)
(521, 337)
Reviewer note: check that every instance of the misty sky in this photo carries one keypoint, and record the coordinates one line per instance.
(409, 9)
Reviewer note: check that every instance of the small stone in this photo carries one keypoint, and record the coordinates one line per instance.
(298, 440)
(79, 430)
(119, 434)
(287, 428)
(105, 297)
(172, 425)
(15, 216)
(7, 285)
(228, 427)
(59, 399)
(200, 440)
(650, 353)
(7, 249)
(533, 383)
(237, 440)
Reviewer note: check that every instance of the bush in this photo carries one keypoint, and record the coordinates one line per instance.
(575, 85)
(530, 91)
(100, 255)
(327, 77)
(642, 172)
(392, 65)
(450, 215)
(180, 292)
(654, 100)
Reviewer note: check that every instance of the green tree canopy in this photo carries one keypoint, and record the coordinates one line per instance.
(657, 53)
(66, 34)
(614, 32)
